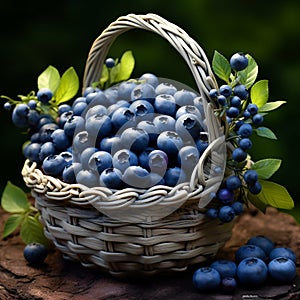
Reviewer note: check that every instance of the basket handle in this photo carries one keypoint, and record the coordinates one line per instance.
(192, 53)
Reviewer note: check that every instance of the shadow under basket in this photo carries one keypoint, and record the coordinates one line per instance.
(139, 231)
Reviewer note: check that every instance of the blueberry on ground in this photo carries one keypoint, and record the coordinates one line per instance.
(35, 253)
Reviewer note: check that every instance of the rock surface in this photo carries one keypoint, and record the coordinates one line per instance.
(62, 280)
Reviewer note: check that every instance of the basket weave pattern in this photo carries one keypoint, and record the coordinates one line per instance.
(85, 224)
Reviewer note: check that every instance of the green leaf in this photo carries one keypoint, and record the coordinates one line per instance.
(221, 66)
(49, 79)
(266, 167)
(275, 195)
(14, 200)
(68, 86)
(104, 76)
(32, 231)
(248, 75)
(126, 66)
(265, 132)
(271, 106)
(257, 202)
(113, 73)
(260, 93)
(12, 224)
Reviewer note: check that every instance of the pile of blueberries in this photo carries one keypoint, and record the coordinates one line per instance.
(255, 262)
(139, 133)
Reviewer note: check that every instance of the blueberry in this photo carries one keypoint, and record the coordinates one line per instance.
(18, 119)
(241, 91)
(32, 104)
(158, 161)
(235, 101)
(233, 182)
(169, 142)
(7, 106)
(249, 251)
(35, 138)
(226, 268)
(85, 156)
(188, 109)
(123, 116)
(35, 253)
(143, 91)
(225, 90)
(282, 270)
(151, 129)
(112, 108)
(174, 176)
(136, 176)
(257, 119)
(188, 126)
(232, 112)
(165, 104)
(213, 93)
(252, 108)
(79, 108)
(239, 61)
(73, 123)
(99, 98)
(222, 100)
(238, 207)
(263, 242)
(31, 151)
(226, 214)
(250, 176)
(211, 213)
(150, 79)
(67, 156)
(206, 279)
(245, 143)
(63, 108)
(255, 188)
(238, 154)
(93, 110)
(246, 114)
(81, 141)
(47, 149)
(141, 108)
(228, 284)
(184, 97)
(111, 178)
(125, 88)
(53, 165)
(78, 100)
(98, 126)
(44, 95)
(165, 88)
(111, 144)
(144, 158)
(136, 139)
(188, 157)
(88, 90)
(60, 139)
(111, 95)
(87, 178)
(225, 195)
(245, 130)
(164, 123)
(252, 272)
(63, 118)
(70, 171)
(110, 62)
(123, 159)
(201, 145)
(46, 131)
(283, 252)
(99, 161)
(33, 118)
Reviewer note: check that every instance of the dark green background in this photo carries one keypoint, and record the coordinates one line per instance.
(60, 33)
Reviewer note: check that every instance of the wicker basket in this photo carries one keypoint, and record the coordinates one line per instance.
(124, 231)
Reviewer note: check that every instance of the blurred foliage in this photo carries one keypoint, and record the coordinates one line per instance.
(61, 33)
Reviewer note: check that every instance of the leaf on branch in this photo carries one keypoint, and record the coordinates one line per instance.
(50, 79)
(221, 66)
(68, 86)
(260, 93)
(11, 224)
(265, 168)
(248, 76)
(14, 200)
(270, 106)
(265, 132)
